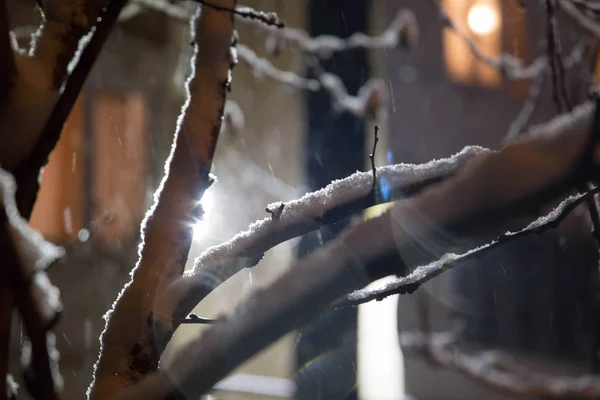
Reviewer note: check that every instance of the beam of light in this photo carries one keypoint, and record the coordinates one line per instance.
(482, 19)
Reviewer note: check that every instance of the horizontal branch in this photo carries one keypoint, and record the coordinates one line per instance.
(448, 261)
(338, 200)
(514, 182)
(403, 31)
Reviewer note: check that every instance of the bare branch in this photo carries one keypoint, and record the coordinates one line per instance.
(129, 349)
(496, 369)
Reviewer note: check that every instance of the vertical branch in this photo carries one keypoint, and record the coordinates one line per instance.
(129, 349)
(7, 57)
(27, 173)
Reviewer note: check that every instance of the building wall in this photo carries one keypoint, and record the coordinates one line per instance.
(514, 298)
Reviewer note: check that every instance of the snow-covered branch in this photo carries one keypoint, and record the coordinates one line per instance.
(495, 186)
(25, 257)
(496, 369)
(128, 342)
(370, 101)
(448, 261)
(403, 31)
(340, 199)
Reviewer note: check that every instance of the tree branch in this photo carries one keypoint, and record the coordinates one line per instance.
(25, 256)
(484, 193)
(336, 201)
(28, 170)
(129, 349)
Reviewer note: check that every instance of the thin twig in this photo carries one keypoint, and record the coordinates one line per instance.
(195, 319)
(266, 18)
(519, 124)
(421, 275)
(372, 158)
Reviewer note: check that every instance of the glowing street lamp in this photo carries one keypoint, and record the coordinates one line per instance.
(482, 19)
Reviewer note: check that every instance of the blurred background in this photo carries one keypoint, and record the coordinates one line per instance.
(533, 298)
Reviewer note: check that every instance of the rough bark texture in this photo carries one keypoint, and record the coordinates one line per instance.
(129, 350)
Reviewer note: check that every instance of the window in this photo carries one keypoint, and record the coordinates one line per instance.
(104, 187)
(493, 26)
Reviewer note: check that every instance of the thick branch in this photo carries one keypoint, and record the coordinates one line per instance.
(28, 170)
(25, 255)
(128, 341)
(338, 200)
(511, 183)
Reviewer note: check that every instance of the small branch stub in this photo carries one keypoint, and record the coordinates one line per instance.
(276, 213)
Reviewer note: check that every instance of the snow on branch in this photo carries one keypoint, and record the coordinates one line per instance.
(65, 23)
(25, 257)
(402, 32)
(262, 67)
(338, 200)
(496, 369)
(370, 101)
(129, 348)
(448, 261)
(514, 182)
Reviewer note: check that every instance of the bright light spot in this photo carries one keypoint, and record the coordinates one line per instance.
(482, 19)
(208, 203)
